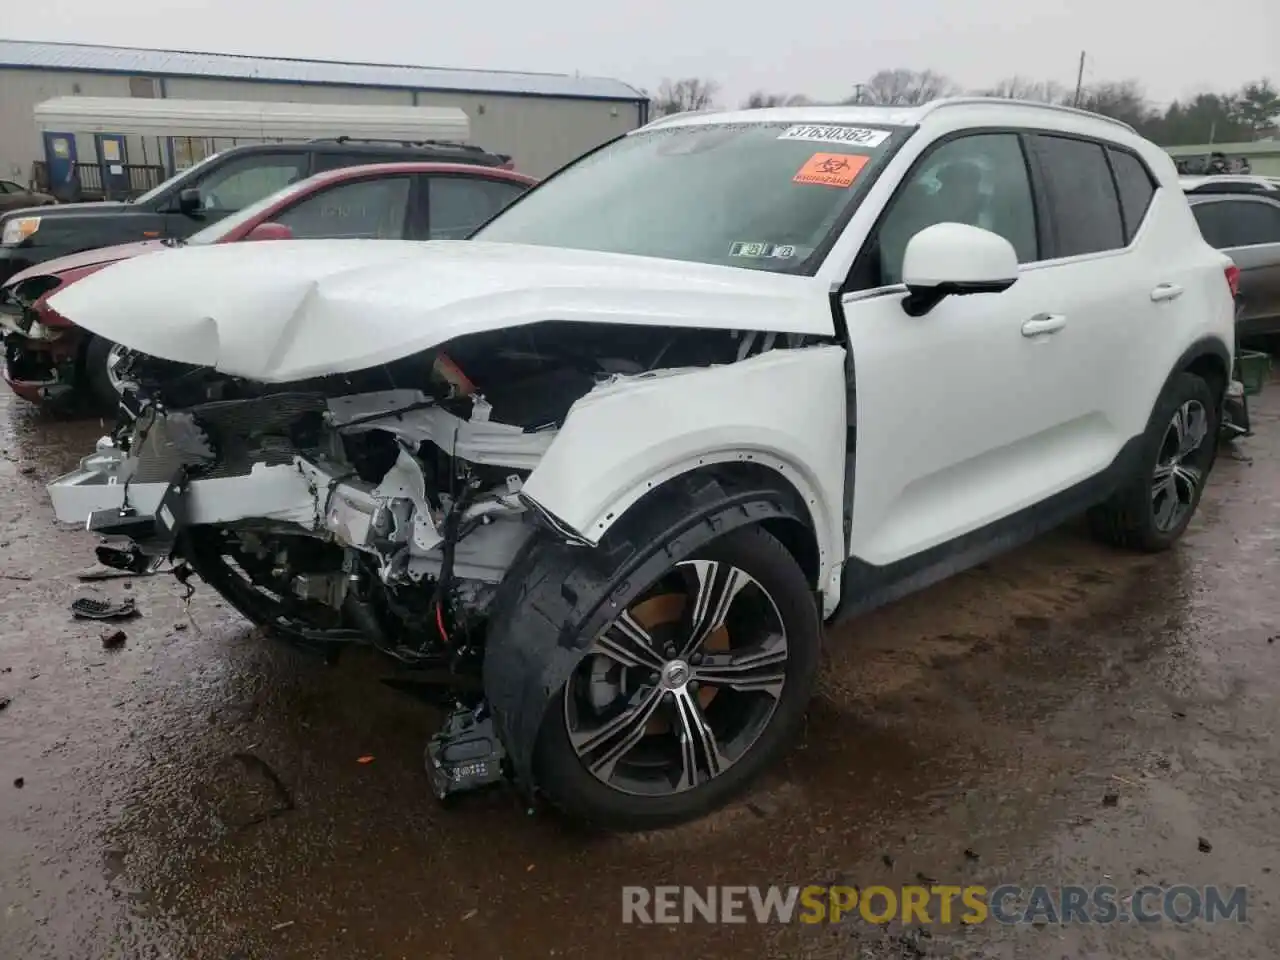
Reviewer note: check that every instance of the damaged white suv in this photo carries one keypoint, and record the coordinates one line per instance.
(613, 462)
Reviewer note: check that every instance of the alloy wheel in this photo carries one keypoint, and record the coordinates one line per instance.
(1179, 468)
(681, 685)
(116, 363)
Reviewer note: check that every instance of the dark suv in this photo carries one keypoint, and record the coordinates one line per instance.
(203, 194)
(1246, 227)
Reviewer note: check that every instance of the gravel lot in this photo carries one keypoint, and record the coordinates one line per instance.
(1066, 714)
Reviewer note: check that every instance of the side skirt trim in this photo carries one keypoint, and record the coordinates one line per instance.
(867, 586)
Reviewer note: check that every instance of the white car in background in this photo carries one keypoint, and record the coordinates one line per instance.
(616, 459)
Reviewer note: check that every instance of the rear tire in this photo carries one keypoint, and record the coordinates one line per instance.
(1152, 510)
(650, 784)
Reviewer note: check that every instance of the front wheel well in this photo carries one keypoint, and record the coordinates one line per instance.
(793, 527)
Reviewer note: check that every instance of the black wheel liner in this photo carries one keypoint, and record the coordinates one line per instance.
(558, 596)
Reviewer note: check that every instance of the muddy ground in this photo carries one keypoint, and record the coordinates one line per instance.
(1067, 714)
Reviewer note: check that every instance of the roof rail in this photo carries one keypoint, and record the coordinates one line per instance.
(451, 144)
(667, 118)
(934, 105)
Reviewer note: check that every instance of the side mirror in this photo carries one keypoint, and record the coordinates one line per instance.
(952, 260)
(189, 202)
(269, 231)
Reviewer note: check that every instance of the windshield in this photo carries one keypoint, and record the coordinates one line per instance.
(181, 174)
(216, 231)
(758, 195)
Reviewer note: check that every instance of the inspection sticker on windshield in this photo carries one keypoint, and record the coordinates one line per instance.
(776, 251)
(854, 136)
(831, 169)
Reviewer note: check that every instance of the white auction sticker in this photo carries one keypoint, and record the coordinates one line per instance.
(855, 136)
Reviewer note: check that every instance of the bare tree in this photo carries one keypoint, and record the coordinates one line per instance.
(760, 99)
(1021, 88)
(901, 88)
(678, 96)
(1122, 100)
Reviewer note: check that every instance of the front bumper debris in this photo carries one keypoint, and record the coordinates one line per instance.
(39, 370)
(103, 494)
(102, 487)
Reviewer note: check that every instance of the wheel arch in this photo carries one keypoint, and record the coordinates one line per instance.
(809, 536)
(1210, 359)
(559, 594)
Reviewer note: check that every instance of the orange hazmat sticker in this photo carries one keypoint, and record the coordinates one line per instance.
(831, 169)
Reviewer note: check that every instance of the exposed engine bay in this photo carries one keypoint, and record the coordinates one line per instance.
(385, 507)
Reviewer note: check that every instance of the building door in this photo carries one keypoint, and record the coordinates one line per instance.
(113, 158)
(60, 161)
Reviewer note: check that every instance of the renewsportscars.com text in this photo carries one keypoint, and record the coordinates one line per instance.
(940, 904)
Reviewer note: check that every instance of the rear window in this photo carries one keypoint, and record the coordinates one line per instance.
(765, 196)
(1238, 223)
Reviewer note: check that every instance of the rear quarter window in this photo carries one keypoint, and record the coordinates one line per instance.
(1136, 187)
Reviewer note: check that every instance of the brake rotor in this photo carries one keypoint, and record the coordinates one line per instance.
(666, 609)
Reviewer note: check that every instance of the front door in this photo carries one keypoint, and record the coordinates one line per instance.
(230, 184)
(973, 411)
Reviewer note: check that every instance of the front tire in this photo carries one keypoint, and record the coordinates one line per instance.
(102, 359)
(694, 690)
(1152, 510)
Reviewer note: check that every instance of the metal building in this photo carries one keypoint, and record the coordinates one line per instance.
(542, 120)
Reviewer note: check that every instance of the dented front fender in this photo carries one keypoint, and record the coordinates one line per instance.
(557, 596)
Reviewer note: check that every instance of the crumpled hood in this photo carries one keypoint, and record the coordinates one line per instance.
(288, 310)
(86, 258)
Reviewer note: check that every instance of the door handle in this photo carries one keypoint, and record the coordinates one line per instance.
(1043, 323)
(1166, 291)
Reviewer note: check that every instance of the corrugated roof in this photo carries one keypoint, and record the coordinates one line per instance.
(176, 63)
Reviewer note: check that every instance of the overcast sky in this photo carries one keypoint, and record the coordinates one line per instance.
(816, 47)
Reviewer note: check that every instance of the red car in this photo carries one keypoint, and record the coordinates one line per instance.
(47, 357)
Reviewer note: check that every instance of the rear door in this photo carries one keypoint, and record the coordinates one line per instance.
(1247, 229)
(371, 208)
(453, 206)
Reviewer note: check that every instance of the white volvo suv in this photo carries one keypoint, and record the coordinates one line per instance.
(611, 463)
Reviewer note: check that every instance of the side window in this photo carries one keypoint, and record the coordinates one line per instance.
(1214, 218)
(1084, 208)
(4, 188)
(1226, 224)
(1136, 189)
(980, 180)
(365, 209)
(456, 206)
(247, 180)
(1256, 223)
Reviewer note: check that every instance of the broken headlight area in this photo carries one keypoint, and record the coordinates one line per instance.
(383, 507)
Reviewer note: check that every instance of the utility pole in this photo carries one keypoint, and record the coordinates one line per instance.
(1079, 80)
